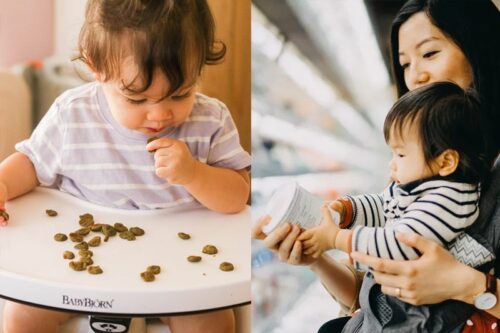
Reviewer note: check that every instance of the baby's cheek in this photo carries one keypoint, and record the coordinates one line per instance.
(130, 120)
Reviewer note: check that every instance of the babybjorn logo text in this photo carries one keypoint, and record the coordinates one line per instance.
(87, 302)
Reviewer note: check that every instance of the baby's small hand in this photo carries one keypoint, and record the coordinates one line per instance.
(321, 238)
(313, 243)
(173, 160)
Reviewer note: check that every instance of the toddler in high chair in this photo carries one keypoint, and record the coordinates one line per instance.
(147, 57)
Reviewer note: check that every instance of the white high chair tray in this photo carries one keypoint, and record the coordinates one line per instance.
(32, 268)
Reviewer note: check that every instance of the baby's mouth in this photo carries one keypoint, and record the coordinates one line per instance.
(155, 130)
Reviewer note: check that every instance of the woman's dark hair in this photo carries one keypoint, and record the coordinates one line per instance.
(176, 37)
(473, 25)
(447, 117)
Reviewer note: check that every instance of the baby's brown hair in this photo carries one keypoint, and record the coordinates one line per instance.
(175, 36)
(447, 117)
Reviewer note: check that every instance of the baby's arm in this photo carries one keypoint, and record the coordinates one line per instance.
(219, 189)
(366, 210)
(17, 176)
(439, 216)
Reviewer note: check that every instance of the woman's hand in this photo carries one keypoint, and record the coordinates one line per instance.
(336, 277)
(434, 277)
(283, 241)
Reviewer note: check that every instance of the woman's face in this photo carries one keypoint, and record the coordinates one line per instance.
(427, 55)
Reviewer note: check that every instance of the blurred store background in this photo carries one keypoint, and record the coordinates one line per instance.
(321, 87)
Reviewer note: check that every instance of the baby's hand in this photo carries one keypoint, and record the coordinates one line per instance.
(321, 238)
(4, 217)
(173, 160)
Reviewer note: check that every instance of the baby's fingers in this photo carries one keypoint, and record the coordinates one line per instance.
(160, 143)
(327, 214)
(308, 243)
(307, 234)
(310, 247)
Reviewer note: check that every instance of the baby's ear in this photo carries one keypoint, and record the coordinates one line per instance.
(448, 162)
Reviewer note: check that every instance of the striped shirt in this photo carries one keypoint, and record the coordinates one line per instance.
(79, 148)
(436, 209)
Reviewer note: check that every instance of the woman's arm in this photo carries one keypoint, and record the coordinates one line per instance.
(338, 279)
(434, 277)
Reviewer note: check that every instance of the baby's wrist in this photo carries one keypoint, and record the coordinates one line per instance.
(343, 240)
(335, 234)
(194, 173)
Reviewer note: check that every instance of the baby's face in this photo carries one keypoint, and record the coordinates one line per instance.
(146, 112)
(408, 162)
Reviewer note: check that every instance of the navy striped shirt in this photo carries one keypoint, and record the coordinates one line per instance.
(436, 209)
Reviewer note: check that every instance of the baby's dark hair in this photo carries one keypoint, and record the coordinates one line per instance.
(447, 117)
(176, 37)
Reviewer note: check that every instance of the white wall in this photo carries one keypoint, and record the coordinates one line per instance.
(69, 17)
(25, 31)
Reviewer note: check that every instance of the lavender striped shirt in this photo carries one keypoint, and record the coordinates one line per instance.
(79, 148)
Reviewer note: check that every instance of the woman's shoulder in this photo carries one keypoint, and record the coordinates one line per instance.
(495, 176)
(491, 195)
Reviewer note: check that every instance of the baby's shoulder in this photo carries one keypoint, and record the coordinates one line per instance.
(450, 189)
(84, 94)
(206, 106)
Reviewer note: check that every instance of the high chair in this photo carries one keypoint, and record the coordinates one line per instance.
(80, 324)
